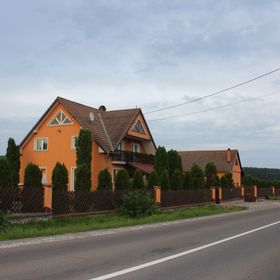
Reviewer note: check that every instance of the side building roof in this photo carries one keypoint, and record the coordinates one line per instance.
(201, 158)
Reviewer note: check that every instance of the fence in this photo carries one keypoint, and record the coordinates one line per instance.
(231, 193)
(277, 191)
(21, 200)
(265, 192)
(81, 202)
(185, 197)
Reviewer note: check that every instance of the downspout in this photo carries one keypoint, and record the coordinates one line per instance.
(108, 140)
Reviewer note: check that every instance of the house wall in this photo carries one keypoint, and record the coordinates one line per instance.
(236, 172)
(145, 136)
(59, 146)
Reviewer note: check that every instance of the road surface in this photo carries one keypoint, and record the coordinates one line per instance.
(244, 245)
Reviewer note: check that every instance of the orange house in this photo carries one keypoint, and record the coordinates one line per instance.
(120, 138)
(226, 161)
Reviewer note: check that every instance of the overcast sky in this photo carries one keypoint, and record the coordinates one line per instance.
(149, 54)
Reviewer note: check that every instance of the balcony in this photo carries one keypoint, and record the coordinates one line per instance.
(125, 156)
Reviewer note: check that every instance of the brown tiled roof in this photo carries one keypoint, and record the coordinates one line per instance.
(116, 123)
(201, 158)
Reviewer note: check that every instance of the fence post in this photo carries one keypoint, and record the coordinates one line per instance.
(220, 194)
(242, 192)
(48, 198)
(157, 195)
(255, 192)
(273, 190)
(213, 194)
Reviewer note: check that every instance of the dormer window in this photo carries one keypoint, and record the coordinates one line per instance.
(60, 119)
(139, 128)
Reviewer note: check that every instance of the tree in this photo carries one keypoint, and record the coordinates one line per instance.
(122, 180)
(32, 176)
(83, 151)
(138, 182)
(153, 180)
(197, 176)
(176, 180)
(4, 173)
(248, 180)
(60, 177)
(161, 160)
(83, 178)
(13, 160)
(104, 180)
(164, 180)
(227, 181)
(187, 181)
(210, 174)
(174, 162)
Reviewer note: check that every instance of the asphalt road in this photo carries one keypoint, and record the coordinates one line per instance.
(255, 255)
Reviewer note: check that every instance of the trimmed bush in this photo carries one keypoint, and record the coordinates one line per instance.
(60, 177)
(177, 180)
(138, 204)
(104, 180)
(32, 176)
(248, 181)
(83, 178)
(4, 173)
(210, 174)
(187, 181)
(161, 160)
(83, 152)
(153, 180)
(174, 162)
(138, 182)
(164, 180)
(227, 181)
(122, 180)
(197, 177)
(13, 159)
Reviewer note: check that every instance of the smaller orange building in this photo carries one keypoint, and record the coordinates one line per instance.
(120, 138)
(226, 161)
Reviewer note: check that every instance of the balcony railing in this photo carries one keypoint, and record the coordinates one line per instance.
(126, 156)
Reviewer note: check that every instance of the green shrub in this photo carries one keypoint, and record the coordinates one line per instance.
(161, 160)
(177, 180)
(13, 159)
(32, 176)
(138, 204)
(248, 181)
(174, 162)
(4, 173)
(122, 180)
(187, 181)
(83, 178)
(210, 174)
(153, 180)
(164, 180)
(104, 180)
(138, 182)
(197, 177)
(60, 177)
(3, 222)
(227, 181)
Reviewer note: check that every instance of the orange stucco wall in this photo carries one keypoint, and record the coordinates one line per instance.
(59, 146)
(145, 136)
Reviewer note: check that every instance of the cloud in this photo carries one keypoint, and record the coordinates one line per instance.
(151, 54)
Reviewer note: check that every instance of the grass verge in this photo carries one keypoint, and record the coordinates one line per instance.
(81, 224)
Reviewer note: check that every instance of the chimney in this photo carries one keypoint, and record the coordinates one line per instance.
(102, 108)
(229, 155)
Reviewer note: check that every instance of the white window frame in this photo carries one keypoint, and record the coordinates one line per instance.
(135, 145)
(42, 145)
(72, 182)
(60, 123)
(73, 142)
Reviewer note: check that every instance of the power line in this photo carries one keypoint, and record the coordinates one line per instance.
(212, 108)
(214, 93)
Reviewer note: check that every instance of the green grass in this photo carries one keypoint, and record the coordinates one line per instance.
(81, 224)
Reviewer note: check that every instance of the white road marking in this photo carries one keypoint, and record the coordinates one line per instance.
(172, 257)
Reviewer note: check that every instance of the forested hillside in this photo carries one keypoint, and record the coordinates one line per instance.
(263, 173)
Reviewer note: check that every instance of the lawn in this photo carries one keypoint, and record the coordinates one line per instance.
(87, 223)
